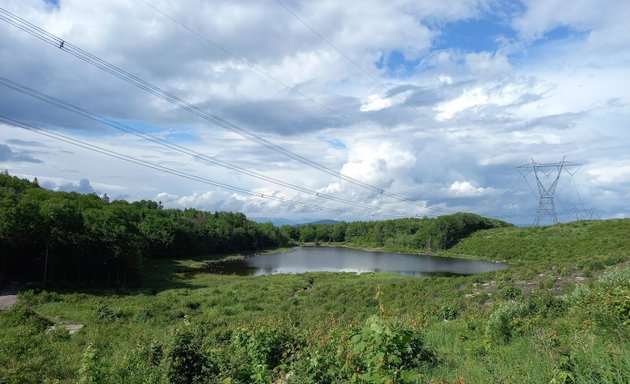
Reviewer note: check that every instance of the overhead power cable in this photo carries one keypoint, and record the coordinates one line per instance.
(242, 60)
(353, 62)
(189, 176)
(182, 149)
(381, 85)
(267, 75)
(58, 42)
(257, 68)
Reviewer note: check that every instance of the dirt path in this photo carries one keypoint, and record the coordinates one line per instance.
(8, 296)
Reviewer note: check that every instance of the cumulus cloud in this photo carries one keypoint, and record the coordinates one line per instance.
(376, 102)
(83, 186)
(466, 189)
(448, 128)
(613, 172)
(600, 19)
(9, 156)
(377, 163)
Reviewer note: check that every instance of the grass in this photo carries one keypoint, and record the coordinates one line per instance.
(557, 333)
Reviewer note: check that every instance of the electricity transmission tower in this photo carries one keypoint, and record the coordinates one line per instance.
(547, 176)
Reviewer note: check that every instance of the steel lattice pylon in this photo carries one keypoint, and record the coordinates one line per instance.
(547, 176)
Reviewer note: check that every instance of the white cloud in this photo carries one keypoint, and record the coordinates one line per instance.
(613, 172)
(466, 189)
(445, 79)
(377, 163)
(534, 95)
(598, 17)
(487, 63)
(469, 98)
(376, 102)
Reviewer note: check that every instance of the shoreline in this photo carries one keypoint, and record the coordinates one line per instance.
(408, 252)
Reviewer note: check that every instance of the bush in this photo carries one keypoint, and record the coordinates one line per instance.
(386, 352)
(546, 304)
(20, 314)
(90, 371)
(186, 363)
(579, 294)
(510, 292)
(618, 277)
(505, 321)
(264, 350)
(618, 302)
(448, 313)
(35, 297)
(105, 313)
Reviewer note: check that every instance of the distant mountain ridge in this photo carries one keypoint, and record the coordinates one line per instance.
(278, 221)
(325, 221)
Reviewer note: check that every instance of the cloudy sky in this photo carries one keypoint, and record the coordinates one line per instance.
(434, 102)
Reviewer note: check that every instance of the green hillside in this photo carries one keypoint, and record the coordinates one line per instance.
(559, 314)
(604, 239)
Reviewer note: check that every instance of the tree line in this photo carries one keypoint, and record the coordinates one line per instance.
(72, 238)
(415, 234)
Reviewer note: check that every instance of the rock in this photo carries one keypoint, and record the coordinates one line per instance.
(71, 328)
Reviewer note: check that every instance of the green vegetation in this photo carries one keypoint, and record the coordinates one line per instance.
(427, 234)
(73, 239)
(560, 313)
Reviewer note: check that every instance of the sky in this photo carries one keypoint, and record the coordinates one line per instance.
(433, 104)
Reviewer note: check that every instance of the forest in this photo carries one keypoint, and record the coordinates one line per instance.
(72, 238)
(412, 234)
(67, 238)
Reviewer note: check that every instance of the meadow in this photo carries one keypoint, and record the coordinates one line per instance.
(559, 314)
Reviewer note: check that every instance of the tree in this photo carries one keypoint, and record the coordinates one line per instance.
(114, 237)
(62, 226)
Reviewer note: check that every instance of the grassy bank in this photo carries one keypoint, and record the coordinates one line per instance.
(560, 313)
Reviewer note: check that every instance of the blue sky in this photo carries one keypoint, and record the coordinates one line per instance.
(459, 93)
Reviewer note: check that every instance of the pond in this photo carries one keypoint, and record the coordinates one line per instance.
(331, 259)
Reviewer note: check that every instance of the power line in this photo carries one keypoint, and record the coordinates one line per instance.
(169, 97)
(353, 62)
(547, 176)
(365, 71)
(242, 60)
(323, 38)
(176, 147)
(189, 176)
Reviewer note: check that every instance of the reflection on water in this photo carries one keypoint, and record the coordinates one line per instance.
(328, 259)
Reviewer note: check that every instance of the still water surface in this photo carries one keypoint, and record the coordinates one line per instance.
(330, 259)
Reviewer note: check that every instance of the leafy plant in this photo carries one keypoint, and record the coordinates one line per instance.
(186, 363)
(448, 312)
(385, 352)
(505, 321)
(90, 371)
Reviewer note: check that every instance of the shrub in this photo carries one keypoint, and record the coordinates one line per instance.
(59, 334)
(105, 313)
(264, 350)
(90, 372)
(618, 277)
(386, 352)
(448, 313)
(34, 297)
(186, 364)
(20, 314)
(579, 294)
(618, 302)
(505, 321)
(510, 292)
(546, 304)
